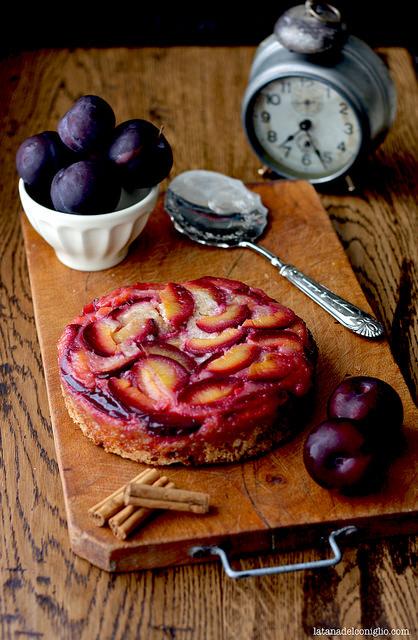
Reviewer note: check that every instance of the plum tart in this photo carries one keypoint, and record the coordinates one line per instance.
(206, 371)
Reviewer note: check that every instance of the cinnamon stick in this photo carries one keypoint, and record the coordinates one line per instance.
(131, 517)
(106, 508)
(166, 498)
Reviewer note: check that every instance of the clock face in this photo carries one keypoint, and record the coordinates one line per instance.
(305, 128)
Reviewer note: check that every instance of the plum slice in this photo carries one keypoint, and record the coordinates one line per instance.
(100, 364)
(206, 287)
(131, 396)
(138, 321)
(278, 340)
(164, 422)
(271, 367)
(129, 295)
(209, 392)
(177, 304)
(103, 354)
(232, 286)
(255, 407)
(233, 316)
(75, 363)
(99, 336)
(275, 318)
(160, 378)
(225, 339)
(299, 328)
(169, 351)
(236, 358)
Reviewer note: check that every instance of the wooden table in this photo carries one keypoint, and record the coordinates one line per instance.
(47, 592)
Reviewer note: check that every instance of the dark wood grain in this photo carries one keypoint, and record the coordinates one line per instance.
(379, 225)
(45, 590)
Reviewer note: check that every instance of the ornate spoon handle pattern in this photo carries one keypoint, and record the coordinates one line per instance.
(346, 313)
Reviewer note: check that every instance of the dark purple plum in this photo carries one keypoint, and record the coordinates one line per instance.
(141, 154)
(86, 187)
(87, 125)
(37, 161)
(370, 402)
(338, 456)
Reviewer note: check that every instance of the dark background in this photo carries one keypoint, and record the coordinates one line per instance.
(67, 23)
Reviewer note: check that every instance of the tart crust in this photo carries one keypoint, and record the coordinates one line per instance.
(260, 440)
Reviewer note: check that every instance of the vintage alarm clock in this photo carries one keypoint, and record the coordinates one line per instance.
(318, 99)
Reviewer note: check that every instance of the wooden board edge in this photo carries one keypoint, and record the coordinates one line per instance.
(124, 557)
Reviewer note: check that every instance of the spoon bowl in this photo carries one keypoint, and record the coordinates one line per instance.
(215, 210)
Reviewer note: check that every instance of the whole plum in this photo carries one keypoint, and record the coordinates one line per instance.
(372, 403)
(141, 154)
(338, 456)
(86, 187)
(87, 125)
(38, 159)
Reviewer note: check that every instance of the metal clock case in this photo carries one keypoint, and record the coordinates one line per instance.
(313, 116)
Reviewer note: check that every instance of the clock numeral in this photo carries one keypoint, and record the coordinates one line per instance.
(326, 157)
(348, 128)
(341, 146)
(306, 159)
(265, 116)
(344, 108)
(273, 98)
(286, 86)
(287, 148)
(272, 136)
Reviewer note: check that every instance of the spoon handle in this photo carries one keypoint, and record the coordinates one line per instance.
(346, 313)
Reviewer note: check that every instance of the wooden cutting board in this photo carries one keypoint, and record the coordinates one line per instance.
(265, 504)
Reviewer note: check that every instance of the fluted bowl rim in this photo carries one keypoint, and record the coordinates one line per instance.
(145, 200)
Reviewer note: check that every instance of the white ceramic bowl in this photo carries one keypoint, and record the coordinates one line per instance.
(92, 243)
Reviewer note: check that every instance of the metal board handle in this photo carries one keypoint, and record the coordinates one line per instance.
(286, 568)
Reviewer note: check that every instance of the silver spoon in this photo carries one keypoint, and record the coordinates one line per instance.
(213, 209)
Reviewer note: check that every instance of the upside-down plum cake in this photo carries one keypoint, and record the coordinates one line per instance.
(205, 371)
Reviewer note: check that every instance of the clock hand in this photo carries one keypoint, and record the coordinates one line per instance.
(289, 138)
(316, 150)
(305, 125)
